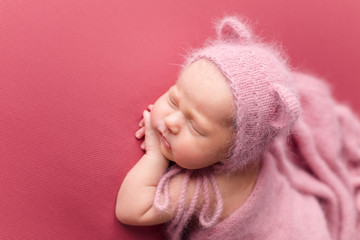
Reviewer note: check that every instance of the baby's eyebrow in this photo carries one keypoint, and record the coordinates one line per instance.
(171, 92)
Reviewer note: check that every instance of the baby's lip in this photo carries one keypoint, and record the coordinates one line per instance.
(164, 141)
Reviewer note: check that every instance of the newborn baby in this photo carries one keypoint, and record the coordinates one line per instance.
(222, 149)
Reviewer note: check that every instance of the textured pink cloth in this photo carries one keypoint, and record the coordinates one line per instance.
(309, 183)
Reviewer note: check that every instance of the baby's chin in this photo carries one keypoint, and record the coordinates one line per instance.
(166, 153)
(169, 156)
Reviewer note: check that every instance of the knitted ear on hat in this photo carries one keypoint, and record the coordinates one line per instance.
(288, 107)
(231, 29)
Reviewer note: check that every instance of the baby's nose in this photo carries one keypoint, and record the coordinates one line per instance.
(173, 122)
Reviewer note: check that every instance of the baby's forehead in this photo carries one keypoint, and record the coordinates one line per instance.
(206, 88)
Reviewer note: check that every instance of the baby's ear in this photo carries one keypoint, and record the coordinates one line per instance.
(233, 30)
(287, 107)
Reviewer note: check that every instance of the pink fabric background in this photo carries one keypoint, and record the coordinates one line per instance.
(76, 75)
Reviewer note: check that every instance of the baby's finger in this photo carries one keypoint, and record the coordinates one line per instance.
(150, 134)
(146, 118)
(150, 107)
(140, 133)
(142, 146)
(142, 123)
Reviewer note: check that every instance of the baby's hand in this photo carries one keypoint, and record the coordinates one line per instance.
(141, 132)
(134, 204)
(152, 143)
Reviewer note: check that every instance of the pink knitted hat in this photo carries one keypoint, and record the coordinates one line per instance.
(261, 82)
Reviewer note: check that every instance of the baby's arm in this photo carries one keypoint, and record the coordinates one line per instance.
(134, 204)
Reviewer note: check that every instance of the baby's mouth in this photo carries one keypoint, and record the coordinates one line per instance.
(164, 141)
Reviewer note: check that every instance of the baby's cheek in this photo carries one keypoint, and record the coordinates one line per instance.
(156, 116)
(153, 119)
(159, 112)
(191, 156)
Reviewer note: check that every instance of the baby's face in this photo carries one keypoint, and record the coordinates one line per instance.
(193, 118)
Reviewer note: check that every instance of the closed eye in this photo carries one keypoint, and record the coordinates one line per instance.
(171, 101)
(192, 125)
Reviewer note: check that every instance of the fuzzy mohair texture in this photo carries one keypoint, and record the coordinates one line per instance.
(308, 145)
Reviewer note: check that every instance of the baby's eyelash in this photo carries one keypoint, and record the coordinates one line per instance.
(194, 128)
(171, 100)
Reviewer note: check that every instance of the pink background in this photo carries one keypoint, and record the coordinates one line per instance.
(75, 76)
